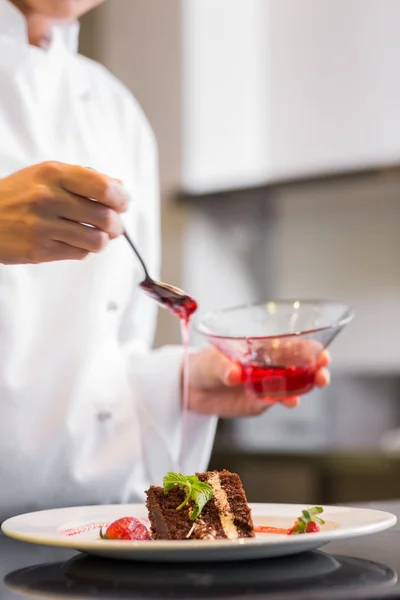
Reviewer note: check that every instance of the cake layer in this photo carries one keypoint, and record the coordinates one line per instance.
(230, 499)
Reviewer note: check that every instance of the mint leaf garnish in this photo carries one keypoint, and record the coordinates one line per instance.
(316, 510)
(201, 494)
(308, 516)
(172, 479)
(197, 491)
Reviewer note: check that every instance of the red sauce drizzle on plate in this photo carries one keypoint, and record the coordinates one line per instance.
(266, 529)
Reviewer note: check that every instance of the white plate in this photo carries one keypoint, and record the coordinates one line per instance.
(48, 527)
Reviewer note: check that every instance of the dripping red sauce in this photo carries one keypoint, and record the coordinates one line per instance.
(182, 306)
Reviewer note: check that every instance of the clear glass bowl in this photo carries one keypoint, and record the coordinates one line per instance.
(277, 343)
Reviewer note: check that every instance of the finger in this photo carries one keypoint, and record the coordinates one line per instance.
(291, 402)
(91, 184)
(322, 378)
(210, 368)
(232, 375)
(255, 408)
(241, 405)
(306, 348)
(79, 236)
(81, 210)
(324, 359)
(59, 251)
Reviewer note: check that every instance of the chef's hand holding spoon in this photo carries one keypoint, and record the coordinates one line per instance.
(45, 211)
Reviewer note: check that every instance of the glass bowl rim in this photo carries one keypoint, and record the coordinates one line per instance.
(341, 322)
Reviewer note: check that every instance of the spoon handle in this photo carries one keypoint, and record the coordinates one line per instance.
(132, 245)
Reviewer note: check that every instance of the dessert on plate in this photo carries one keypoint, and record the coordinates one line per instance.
(210, 505)
(204, 506)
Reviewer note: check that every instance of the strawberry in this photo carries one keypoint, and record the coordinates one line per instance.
(312, 527)
(308, 522)
(126, 528)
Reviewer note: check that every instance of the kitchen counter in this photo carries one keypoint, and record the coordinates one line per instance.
(321, 476)
(365, 568)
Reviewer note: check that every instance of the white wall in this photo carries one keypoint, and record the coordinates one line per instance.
(276, 87)
(334, 83)
(225, 71)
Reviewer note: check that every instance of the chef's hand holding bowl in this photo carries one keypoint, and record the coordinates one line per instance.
(262, 354)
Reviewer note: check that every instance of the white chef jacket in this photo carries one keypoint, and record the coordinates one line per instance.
(88, 413)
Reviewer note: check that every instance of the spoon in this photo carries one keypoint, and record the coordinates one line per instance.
(168, 296)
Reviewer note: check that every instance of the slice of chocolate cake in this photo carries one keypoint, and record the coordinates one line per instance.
(209, 505)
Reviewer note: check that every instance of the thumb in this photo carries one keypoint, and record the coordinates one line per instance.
(211, 369)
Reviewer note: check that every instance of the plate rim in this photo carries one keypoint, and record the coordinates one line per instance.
(387, 520)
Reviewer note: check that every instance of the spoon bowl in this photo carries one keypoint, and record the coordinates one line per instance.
(168, 296)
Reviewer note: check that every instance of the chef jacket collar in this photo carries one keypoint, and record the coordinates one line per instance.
(13, 25)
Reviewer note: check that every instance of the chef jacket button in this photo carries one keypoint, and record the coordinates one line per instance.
(112, 306)
(103, 415)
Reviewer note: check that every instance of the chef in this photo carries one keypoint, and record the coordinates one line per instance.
(88, 413)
